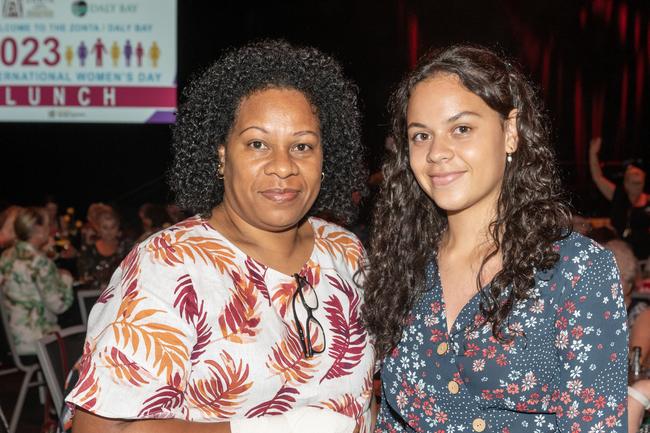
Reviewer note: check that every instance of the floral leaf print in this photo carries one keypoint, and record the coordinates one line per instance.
(349, 341)
(186, 299)
(87, 387)
(189, 223)
(165, 400)
(187, 303)
(340, 243)
(256, 276)
(222, 394)
(173, 247)
(203, 334)
(123, 368)
(287, 360)
(282, 295)
(346, 405)
(106, 294)
(281, 402)
(160, 340)
(130, 272)
(240, 319)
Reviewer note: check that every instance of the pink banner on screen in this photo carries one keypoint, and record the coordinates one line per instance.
(87, 96)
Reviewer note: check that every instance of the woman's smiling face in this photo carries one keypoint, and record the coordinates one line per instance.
(457, 144)
(272, 159)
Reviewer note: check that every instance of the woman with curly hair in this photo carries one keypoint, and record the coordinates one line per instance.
(489, 314)
(246, 317)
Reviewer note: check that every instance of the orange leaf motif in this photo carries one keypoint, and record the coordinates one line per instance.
(346, 405)
(287, 360)
(160, 340)
(239, 321)
(282, 296)
(340, 243)
(173, 247)
(222, 394)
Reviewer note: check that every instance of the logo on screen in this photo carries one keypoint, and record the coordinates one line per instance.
(79, 8)
(12, 8)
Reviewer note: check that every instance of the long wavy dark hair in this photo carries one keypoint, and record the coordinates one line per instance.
(531, 212)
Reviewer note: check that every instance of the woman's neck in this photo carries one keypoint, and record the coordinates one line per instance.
(286, 251)
(469, 229)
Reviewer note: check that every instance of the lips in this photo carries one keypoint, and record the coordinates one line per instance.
(444, 179)
(280, 195)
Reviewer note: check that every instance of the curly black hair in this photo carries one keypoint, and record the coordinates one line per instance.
(408, 226)
(211, 102)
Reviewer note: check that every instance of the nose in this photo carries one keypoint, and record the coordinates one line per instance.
(281, 164)
(439, 150)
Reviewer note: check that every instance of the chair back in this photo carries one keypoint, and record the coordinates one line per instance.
(57, 353)
(87, 299)
(4, 427)
(18, 362)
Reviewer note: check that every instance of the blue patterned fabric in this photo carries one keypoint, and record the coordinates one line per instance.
(565, 369)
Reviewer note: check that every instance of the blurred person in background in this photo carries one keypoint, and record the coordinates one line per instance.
(98, 261)
(7, 232)
(154, 217)
(638, 313)
(34, 291)
(629, 203)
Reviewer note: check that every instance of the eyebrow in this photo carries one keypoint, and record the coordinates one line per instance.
(462, 114)
(298, 133)
(254, 127)
(306, 132)
(453, 118)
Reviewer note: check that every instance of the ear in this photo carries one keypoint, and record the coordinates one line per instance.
(510, 129)
(221, 154)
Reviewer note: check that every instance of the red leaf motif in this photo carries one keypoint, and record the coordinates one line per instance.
(123, 368)
(186, 298)
(349, 339)
(204, 332)
(106, 294)
(130, 271)
(240, 319)
(256, 276)
(279, 404)
(222, 394)
(87, 386)
(164, 401)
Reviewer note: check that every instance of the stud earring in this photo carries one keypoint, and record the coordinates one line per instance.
(509, 157)
(219, 170)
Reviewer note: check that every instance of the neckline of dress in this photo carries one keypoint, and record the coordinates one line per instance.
(313, 222)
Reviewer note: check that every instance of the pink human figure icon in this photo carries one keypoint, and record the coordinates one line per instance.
(139, 53)
(99, 49)
(128, 52)
(82, 53)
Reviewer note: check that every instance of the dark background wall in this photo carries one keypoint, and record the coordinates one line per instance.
(589, 59)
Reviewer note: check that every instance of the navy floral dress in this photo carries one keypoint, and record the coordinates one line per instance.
(565, 370)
